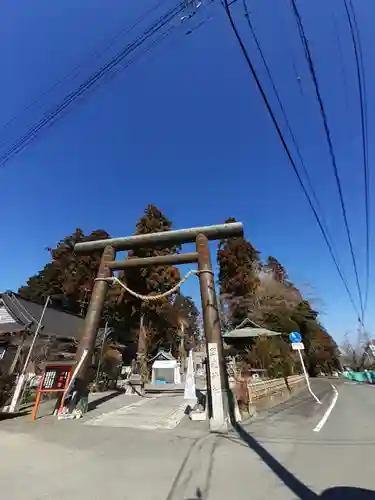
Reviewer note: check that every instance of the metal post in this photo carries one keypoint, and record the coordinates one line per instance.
(307, 378)
(215, 357)
(22, 376)
(91, 325)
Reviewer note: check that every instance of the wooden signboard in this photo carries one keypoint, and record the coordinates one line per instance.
(55, 379)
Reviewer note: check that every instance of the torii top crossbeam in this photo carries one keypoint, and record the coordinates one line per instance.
(166, 238)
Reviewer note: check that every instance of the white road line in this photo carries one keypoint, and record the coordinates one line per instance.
(328, 412)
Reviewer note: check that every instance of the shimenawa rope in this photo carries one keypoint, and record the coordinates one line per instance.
(151, 298)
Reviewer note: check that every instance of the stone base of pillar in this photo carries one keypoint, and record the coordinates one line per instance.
(221, 427)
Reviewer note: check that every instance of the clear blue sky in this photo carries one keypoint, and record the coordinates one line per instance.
(183, 128)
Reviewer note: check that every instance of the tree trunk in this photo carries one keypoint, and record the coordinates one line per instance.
(182, 348)
(142, 351)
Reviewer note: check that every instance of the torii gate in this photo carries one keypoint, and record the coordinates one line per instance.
(217, 383)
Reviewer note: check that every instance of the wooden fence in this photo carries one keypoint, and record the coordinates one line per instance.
(262, 388)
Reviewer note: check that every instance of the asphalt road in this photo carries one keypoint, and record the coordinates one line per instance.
(299, 449)
(302, 449)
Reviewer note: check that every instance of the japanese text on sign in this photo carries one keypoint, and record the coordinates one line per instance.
(215, 380)
(213, 359)
(55, 378)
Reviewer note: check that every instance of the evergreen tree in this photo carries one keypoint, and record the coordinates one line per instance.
(239, 266)
(69, 278)
(320, 349)
(156, 279)
(151, 280)
(268, 298)
(276, 269)
(185, 320)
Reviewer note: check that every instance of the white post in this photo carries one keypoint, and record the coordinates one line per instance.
(307, 378)
(74, 376)
(22, 375)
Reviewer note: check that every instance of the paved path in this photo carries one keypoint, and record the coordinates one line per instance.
(157, 412)
(284, 454)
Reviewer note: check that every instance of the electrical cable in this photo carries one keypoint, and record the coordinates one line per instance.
(294, 140)
(311, 66)
(51, 116)
(73, 73)
(341, 58)
(356, 40)
(286, 149)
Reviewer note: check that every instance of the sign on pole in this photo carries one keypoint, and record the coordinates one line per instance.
(55, 379)
(295, 337)
(298, 346)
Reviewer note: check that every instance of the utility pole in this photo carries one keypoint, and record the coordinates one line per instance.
(22, 376)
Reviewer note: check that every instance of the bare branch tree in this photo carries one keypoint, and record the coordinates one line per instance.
(355, 354)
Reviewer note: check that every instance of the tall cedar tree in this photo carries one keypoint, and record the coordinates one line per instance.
(238, 264)
(183, 317)
(69, 278)
(239, 281)
(278, 271)
(151, 280)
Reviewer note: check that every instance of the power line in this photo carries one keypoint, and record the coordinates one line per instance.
(308, 56)
(356, 40)
(75, 71)
(50, 117)
(341, 58)
(294, 140)
(286, 148)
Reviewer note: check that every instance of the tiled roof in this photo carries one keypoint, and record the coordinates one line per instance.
(56, 323)
(244, 333)
(163, 354)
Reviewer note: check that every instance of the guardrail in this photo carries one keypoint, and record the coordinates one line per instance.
(263, 388)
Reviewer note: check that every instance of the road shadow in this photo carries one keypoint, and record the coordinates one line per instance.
(341, 493)
(97, 402)
(8, 416)
(292, 482)
(299, 489)
(346, 493)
